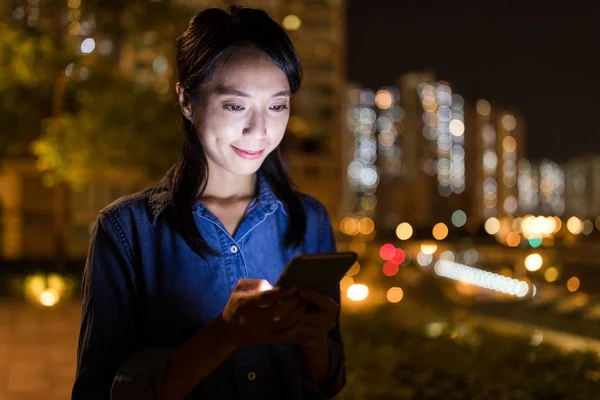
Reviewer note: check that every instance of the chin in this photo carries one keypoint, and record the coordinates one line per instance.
(246, 167)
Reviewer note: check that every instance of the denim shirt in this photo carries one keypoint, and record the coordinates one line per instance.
(145, 292)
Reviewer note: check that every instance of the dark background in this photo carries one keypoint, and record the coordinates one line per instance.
(538, 57)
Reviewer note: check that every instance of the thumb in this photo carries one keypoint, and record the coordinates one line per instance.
(252, 285)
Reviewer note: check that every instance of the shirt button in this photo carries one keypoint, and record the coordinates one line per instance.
(251, 376)
(233, 249)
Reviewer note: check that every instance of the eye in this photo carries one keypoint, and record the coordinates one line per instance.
(232, 107)
(279, 107)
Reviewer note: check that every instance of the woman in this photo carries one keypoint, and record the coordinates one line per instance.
(177, 301)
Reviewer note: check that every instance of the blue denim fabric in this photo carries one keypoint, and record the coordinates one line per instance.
(145, 292)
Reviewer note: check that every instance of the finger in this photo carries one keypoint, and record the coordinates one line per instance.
(292, 318)
(281, 308)
(318, 299)
(264, 299)
(252, 285)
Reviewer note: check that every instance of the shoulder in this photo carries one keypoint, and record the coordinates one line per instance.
(133, 207)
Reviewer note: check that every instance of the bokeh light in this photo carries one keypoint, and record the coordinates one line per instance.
(349, 226)
(509, 144)
(575, 225)
(535, 241)
(390, 269)
(459, 218)
(509, 122)
(588, 227)
(492, 225)
(387, 251)
(573, 284)
(551, 274)
(428, 248)
(49, 297)
(513, 239)
(383, 99)
(533, 262)
(88, 45)
(483, 108)
(424, 259)
(440, 231)
(345, 283)
(399, 257)
(367, 226)
(394, 294)
(357, 292)
(404, 231)
(291, 22)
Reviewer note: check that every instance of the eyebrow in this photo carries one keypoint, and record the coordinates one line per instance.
(224, 90)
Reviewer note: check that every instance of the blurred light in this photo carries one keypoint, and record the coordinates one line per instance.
(573, 284)
(404, 231)
(69, 69)
(574, 225)
(74, 3)
(106, 47)
(383, 99)
(550, 226)
(394, 294)
(492, 225)
(537, 338)
(447, 255)
(386, 138)
(291, 22)
(367, 98)
(160, 64)
(481, 278)
(440, 231)
(509, 144)
(49, 297)
(18, 13)
(387, 251)
(358, 246)
(506, 272)
(535, 241)
(558, 224)
(483, 108)
(357, 292)
(597, 223)
(354, 269)
(551, 274)
(470, 256)
(346, 282)
(456, 127)
(367, 226)
(428, 248)
(349, 226)
(390, 269)
(435, 329)
(368, 202)
(424, 259)
(459, 218)
(588, 227)
(510, 204)
(533, 262)
(399, 257)
(88, 45)
(74, 28)
(509, 122)
(513, 239)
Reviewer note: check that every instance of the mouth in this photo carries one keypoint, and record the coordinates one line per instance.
(250, 155)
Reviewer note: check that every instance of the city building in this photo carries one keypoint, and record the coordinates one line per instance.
(582, 187)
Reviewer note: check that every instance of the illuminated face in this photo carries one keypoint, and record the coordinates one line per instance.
(242, 113)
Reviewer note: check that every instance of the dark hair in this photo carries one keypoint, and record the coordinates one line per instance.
(210, 38)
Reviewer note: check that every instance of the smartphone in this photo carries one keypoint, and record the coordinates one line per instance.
(318, 272)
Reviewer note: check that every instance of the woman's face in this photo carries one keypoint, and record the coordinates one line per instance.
(242, 113)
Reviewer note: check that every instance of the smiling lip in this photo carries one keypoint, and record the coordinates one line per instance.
(251, 155)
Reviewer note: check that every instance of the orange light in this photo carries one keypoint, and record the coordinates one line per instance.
(573, 284)
(440, 231)
(513, 239)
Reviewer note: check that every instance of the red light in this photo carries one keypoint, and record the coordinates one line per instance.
(390, 269)
(387, 251)
(399, 257)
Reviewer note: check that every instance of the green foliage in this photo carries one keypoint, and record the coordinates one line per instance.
(388, 362)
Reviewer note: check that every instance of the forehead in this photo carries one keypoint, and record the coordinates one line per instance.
(250, 72)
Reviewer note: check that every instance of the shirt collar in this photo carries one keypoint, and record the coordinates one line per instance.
(161, 196)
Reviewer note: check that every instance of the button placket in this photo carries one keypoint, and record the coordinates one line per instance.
(234, 249)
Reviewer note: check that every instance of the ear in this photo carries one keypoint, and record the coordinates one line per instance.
(184, 101)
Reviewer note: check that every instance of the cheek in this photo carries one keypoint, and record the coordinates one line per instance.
(278, 127)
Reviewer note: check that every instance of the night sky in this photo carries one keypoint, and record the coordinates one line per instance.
(542, 58)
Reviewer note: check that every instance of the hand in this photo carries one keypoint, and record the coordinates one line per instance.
(321, 319)
(257, 313)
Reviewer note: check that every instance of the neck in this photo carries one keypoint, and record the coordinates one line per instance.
(223, 185)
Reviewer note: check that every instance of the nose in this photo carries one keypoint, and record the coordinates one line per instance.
(256, 126)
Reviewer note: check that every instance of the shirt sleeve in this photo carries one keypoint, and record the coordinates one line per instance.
(336, 374)
(110, 364)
